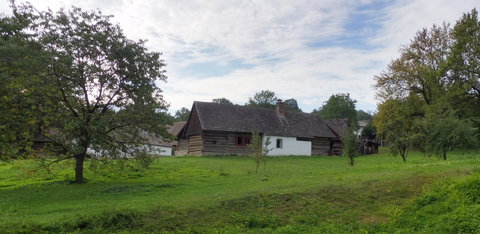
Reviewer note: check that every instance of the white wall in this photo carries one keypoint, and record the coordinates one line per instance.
(290, 146)
(154, 150)
(158, 150)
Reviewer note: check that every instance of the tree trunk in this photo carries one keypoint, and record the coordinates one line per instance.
(79, 169)
(403, 153)
(444, 155)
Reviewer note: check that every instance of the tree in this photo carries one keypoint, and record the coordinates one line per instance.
(103, 93)
(433, 86)
(21, 65)
(464, 68)
(339, 106)
(263, 99)
(260, 150)
(464, 58)
(396, 121)
(182, 114)
(369, 131)
(350, 145)
(446, 131)
(222, 101)
(292, 105)
(419, 70)
(362, 115)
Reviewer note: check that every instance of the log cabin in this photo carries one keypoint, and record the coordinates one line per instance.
(225, 129)
(338, 127)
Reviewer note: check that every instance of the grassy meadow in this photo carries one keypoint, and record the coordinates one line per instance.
(224, 194)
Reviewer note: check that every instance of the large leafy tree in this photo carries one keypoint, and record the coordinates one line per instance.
(419, 69)
(104, 100)
(265, 99)
(362, 115)
(445, 131)
(222, 101)
(339, 106)
(268, 99)
(292, 105)
(464, 59)
(396, 121)
(439, 70)
(182, 114)
(21, 64)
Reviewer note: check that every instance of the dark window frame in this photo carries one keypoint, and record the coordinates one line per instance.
(242, 140)
(279, 143)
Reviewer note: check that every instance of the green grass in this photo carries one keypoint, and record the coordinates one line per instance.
(224, 194)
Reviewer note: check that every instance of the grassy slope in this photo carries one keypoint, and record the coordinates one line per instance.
(223, 193)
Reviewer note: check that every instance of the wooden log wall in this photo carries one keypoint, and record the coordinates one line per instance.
(223, 143)
(337, 147)
(195, 145)
(182, 144)
(320, 146)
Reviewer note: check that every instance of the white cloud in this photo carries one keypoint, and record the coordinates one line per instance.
(273, 37)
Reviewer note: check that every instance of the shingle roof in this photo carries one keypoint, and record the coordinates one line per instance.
(177, 127)
(338, 126)
(235, 118)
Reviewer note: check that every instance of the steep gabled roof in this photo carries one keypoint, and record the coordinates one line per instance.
(235, 118)
(177, 128)
(338, 126)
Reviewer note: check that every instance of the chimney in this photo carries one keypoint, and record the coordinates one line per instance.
(280, 107)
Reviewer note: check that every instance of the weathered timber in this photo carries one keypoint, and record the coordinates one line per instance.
(223, 143)
(320, 146)
(195, 145)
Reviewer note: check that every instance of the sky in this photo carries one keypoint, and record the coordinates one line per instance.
(302, 49)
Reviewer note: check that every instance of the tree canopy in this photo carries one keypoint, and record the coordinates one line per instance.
(433, 87)
(265, 99)
(362, 115)
(268, 99)
(222, 101)
(182, 114)
(292, 105)
(339, 106)
(102, 87)
(21, 64)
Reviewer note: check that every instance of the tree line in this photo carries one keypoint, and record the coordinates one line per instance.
(430, 95)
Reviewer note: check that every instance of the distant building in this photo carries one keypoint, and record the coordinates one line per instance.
(224, 129)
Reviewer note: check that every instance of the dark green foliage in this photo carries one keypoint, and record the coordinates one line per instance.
(222, 101)
(182, 114)
(362, 115)
(22, 62)
(350, 146)
(446, 131)
(292, 105)
(97, 89)
(433, 89)
(339, 106)
(369, 131)
(399, 123)
(267, 99)
(264, 99)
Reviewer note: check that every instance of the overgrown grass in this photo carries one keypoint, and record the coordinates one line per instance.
(224, 194)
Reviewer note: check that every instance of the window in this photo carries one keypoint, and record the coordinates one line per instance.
(279, 143)
(242, 140)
